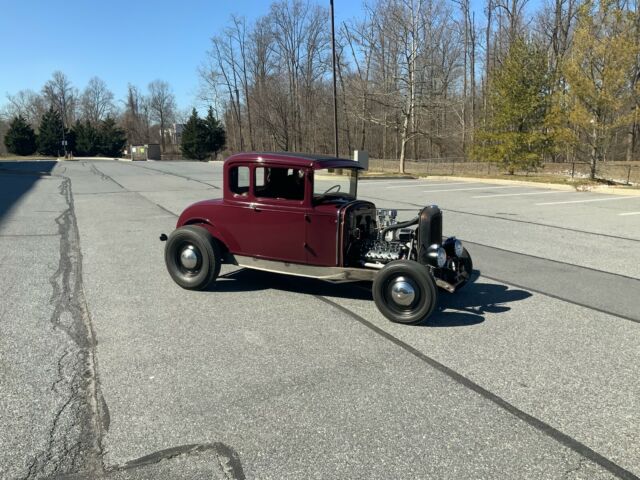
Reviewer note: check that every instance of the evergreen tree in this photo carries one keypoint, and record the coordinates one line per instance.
(516, 133)
(112, 138)
(194, 138)
(86, 139)
(20, 138)
(51, 133)
(216, 136)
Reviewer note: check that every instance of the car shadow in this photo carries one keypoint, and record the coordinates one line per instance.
(465, 307)
(469, 305)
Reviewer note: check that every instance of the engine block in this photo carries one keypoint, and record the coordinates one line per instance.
(384, 252)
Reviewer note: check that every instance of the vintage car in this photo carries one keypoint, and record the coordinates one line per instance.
(298, 214)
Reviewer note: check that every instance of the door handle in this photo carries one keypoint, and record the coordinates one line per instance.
(255, 208)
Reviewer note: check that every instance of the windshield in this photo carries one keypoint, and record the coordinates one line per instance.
(335, 182)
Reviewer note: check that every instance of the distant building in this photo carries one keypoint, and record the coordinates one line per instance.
(173, 134)
(150, 151)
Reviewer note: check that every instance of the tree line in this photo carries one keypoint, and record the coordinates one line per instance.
(424, 79)
(61, 119)
(103, 138)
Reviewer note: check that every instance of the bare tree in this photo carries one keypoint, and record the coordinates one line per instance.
(162, 104)
(27, 104)
(220, 73)
(62, 96)
(240, 36)
(136, 118)
(96, 102)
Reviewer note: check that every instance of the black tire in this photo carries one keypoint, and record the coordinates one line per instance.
(198, 247)
(467, 267)
(425, 293)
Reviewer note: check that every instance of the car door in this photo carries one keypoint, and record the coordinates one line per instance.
(321, 235)
(276, 230)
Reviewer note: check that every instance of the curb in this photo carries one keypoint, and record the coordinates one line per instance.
(621, 190)
(387, 177)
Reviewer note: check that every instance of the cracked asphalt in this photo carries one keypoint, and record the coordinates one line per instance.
(109, 370)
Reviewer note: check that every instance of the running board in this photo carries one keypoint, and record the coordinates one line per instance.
(331, 274)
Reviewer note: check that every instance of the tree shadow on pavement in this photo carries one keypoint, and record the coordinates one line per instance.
(467, 306)
(17, 178)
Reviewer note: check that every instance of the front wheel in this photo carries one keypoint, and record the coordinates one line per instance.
(405, 292)
(192, 257)
(467, 267)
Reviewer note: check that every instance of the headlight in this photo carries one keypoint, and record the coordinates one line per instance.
(458, 248)
(442, 257)
(437, 255)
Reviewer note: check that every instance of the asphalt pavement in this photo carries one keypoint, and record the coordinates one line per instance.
(110, 370)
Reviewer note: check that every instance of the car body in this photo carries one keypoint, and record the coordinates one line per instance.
(299, 214)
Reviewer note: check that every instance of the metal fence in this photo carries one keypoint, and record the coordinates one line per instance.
(621, 173)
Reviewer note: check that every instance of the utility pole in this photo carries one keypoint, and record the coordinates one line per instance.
(239, 119)
(335, 96)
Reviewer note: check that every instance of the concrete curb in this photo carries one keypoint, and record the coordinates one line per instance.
(77, 159)
(388, 177)
(621, 190)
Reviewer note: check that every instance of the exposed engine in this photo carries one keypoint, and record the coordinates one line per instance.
(374, 237)
(393, 241)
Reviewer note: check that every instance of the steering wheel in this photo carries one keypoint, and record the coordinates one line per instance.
(336, 187)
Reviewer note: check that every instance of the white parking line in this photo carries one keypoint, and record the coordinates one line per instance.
(474, 188)
(628, 213)
(433, 184)
(587, 201)
(519, 194)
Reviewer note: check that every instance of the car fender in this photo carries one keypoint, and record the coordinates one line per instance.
(210, 227)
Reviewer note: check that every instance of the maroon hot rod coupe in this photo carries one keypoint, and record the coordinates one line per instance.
(298, 214)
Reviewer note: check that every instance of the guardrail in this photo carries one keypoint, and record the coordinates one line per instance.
(621, 173)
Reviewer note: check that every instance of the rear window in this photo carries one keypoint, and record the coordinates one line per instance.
(239, 181)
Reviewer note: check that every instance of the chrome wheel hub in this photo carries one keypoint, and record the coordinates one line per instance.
(189, 257)
(402, 292)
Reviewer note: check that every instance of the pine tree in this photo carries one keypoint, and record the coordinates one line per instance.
(516, 132)
(216, 136)
(86, 139)
(194, 138)
(597, 71)
(20, 138)
(51, 133)
(112, 138)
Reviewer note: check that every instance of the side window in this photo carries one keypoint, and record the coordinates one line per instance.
(239, 181)
(278, 182)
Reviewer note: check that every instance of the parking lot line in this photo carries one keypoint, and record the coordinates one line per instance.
(586, 201)
(625, 214)
(431, 185)
(473, 188)
(520, 194)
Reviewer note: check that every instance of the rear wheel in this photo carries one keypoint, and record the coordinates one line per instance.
(192, 257)
(405, 292)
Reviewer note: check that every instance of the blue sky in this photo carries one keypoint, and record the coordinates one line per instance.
(119, 41)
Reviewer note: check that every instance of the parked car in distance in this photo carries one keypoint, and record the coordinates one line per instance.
(298, 214)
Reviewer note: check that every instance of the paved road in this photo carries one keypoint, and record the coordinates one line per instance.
(111, 370)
